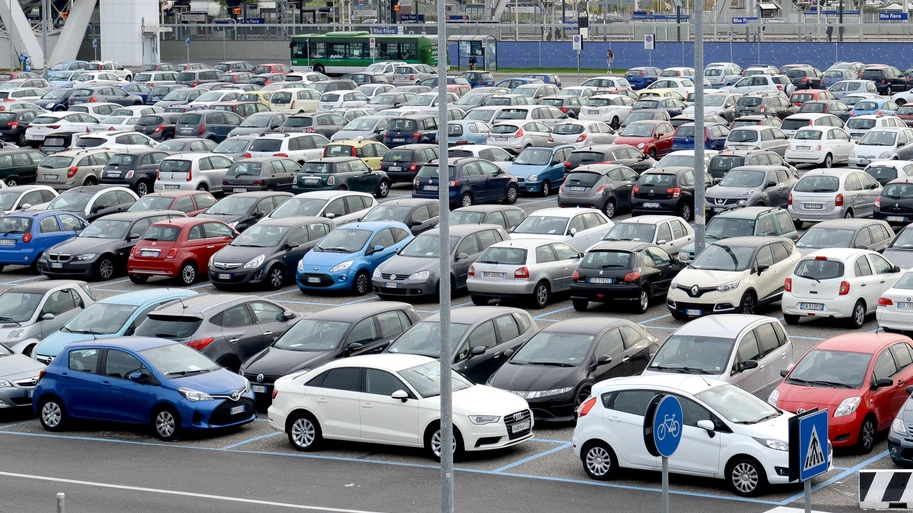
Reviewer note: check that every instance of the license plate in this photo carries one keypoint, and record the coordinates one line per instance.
(813, 206)
(492, 275)
(312, 180)
(502, 139)
(806, 148)
(693, 312)
(114, 174)
(520, 427)
(237, 409)
(601, 280)
(50, 177)
(431, 187)
(811, 306)
(31, 393)
(576, 189)
(399, 139)
(224, 276)
(172, 187)
(592, 111)
(258, 389)
(394, 168)
(903, 305)
(390, 285)
(651, 205)
(56, 265)
(149, 253)
(184, 130)
(7, 242)
(313, 280)
(895, 219)
(865, 161)
(239, 189)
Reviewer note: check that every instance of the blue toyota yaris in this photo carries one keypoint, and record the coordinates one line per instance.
(347, 256)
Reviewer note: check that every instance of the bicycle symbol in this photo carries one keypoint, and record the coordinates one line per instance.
(669, 425)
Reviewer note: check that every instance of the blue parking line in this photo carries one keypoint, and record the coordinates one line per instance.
(20, 280)
(254, 439)
(116, 291)
(16, 424)
(655, 318)
(846, 473)
(806, 338)
(533, 457)
(546, 314)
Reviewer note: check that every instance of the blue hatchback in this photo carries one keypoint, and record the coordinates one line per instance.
(540, 170)
(472, 180)
(715, 135)
(25, 235)
(876, 106)
(145, 381)
(346, 258)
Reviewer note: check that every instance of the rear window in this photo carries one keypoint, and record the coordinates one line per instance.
(400, 155)
(582, 179)
(897, 190)
(860, 123)
(657, 179)
(150, 120)
(586, 157)
(122, 159)
(281, 97)
(265, 145)
(568, 129)
(186, 77)
(748, 101)
(796, 73)
(883, 174)
(795, 124)
(11, 224)
(817, 184)
(56, 162)
(244, 168)
(162, 233)
(54, 141)
(175, 166)
(742, 136)
(294, 121)
(819, 269)
(190, 119)
(402, 124)
(607, 260)
(685, 131)
(504, 129)
(170, 327)
(338, 150)
(454, 129)
(508, 256)
(802, 97)
(329, 97)
(90, 142)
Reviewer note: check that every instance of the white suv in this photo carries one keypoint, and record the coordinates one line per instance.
(732, 275)
(298, 147)
(192, 171)
(122, 140)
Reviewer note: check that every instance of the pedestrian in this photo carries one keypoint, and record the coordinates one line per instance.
(472, 62)
(610, 58)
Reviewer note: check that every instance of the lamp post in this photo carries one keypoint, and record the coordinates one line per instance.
(9, 29)
(45, 7)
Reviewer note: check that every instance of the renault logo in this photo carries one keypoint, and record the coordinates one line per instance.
(800, 411)
(694, 290)
(259, 378)
(720, 201)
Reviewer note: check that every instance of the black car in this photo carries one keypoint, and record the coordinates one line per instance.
(888, 79)
(412, 129)
(666, 191)
(101, 250)
(403, 162)
(58, 142)
(603, 186)
(805, 77)
(325, 336)
(483, 338)
(767, 104)
(267, 253)
(135, 169)
(569, 105)
(19, 165)
(555, 371)
(835, 107)
(159, 126)
(895, 204)
(633, 272)
(418, 214)
(620, 154)
(56, 99)
(242, 210)
(260, 174)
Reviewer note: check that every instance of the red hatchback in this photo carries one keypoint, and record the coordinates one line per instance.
(179, 248)
(860, 378)
(651, 136)
(189, 202)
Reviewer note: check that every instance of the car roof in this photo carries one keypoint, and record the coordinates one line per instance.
(621, 245)
(594, 324)
(648, 219)
(690, 384)
(861, 342)
(726, 326)
(133, 216)
(330, 194)
(747, 212)
(408, 202)
(561, 212)
(475, 314)
(202, 305)
(354, 313)
(261, 194)
(131, 343)
(839, 254)
(854, 223)
(749, 241)
(42, 287)
(461, 230)
(372, 225)
(141, 297)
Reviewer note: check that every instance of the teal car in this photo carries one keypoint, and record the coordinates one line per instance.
(115, 316)
(540, 170)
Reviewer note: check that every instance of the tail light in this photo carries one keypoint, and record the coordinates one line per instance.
(838, 200)
(804, 80)
(54, 127)
(564, 110)
(779, 87)
(632, 276)
(224, 182)
(158, 175)
(454, 183)
(129, 174)
(150, 84)
(12, 125)
(111, 129)
(635, 190)
(384, 135)
(472, 271)
(581, 138)
(331, 180)
(27, 237)
(200, 343)
(71, 172)
(411, 77)
(415, 135)
(158, 129)
(674, 191)
(878, 202)
(763, 109)
(879, 112)
(280, 155)
(202, 130)
(413, 168)
(292, 106)
(586, 407)
(519, 133)
(173, 252)
(194, 84)
(247, 155)
(92, 99)
(643, 73)
(600, 190)
(567, 164)
(550, 138)
(575, 275)
(522, 273)
(788, 285)
(789, 201)
(275, 393)
(844, 288)
(190, 175)
(852, 112)
(258, 183)
(885, 301)
(884, 81)
(41, 374)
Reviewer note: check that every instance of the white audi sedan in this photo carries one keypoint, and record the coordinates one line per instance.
(394, 399)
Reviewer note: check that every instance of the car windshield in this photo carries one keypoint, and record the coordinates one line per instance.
(543, 225)
(722, 257)
(675, 161)
(232, 206)
(421, 100)
(8, 199)
(344, 240)
(177, 96)
(739, 178)
(261, 236)
(423, 338)
(536, 156)
(105, 229)
(568, 129)
(714, 100)
(631, 231)
(831, 369)
(693, 355)
(388, 213)
(178, 360)
(427, 246)
(231, 145)
(100, 319)
(815, 107)
(817, 183)
(905, 282)
(150, 203)
(360, 124)
(737, 405)
(725, 227)
(18, 306)
(553, 348)
(738, 136)
(74, 202)
(299, 207)
(12, 224)
(426, 379)
(826, 238)
(313, 335)
(878, 138)
(638, 130)
(904, 239)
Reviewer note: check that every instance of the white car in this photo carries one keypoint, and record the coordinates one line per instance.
(22, 94)
(824, 145)
(722, 73)
(582, 133)
(306, 77)
(606, 82)
(879, 144)
(96, 78)
(762, 84)
(837, 283)
(192, 171)
(886, 170)
(683, 158)
(671, 233)
(111, 67)
(297, 146)
(609, 108)
(732, 275)
(727, 433)
(124, 140)
(894, 305)
(716, 103)
(341, 100)
(833, 193)
(207, 99)
(117, 123)
(579, 227)
(294, 101)
(858, 126)
(397, 403)
(57, 122)
(683, 85)
(100, 109)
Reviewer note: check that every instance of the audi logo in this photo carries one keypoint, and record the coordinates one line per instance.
(519, 416)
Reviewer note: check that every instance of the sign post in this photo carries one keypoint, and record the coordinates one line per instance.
(187, 44)
(808, 454)
(577, 44)
(662, 434)
(650, 45)
(95, 47)
(372, 44)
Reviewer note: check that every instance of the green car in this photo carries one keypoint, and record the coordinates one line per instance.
(341, 173)
(19, 166)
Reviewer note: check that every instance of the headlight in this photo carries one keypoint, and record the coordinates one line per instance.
(87, 256)
(847, 406)
(194, 395)
(726, 287)
(483, 419)
(343, 266)
(15, 334)
(885, 155)
(674, 285)
(777, 445)
(300, 266)
(773, 397)
(376, 274)
(898, 427)
(421, 275)
(532, 178)
(5, 383)
(641, 145)
(256, 262)
(532, 394)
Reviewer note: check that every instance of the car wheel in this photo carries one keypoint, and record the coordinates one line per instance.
(598, 460)
(615, 124)
(466, 199)
(512, 194)
(643, 300)
(541, 294)
(848, 214)
(304, 432)
(433, 442)
(139, 278)
(90, 180)
(52, 414)
(685, 212)
(478, 300)
(581, 395)
(202, 187)
(12, 181)
(342, 188)
(792, 320)
(546, 189)
(362, 283)
(866, 435)
(383, 189)
(166, 423)
(188, 273)
(798, 224)
(609, 208)
(749, 303)
(231, 363)
(142, 188)
(580, 304)
(889, 91)
(746, 476)
(275, 277)
(319, 68)
(652, 153)
(22, 141)
(857, 317)
(104, 268)
(828, 160)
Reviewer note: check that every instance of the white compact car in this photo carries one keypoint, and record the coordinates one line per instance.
(579, 227)
(895, 306)
(825, 145)
(396, 403)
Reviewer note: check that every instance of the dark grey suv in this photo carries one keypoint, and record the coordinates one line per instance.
(768, 104)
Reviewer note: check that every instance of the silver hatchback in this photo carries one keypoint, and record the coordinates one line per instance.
(833, 193)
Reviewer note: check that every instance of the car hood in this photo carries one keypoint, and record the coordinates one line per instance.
(16, 366)
(405, 265)
(515, 236)
(900, 257)
(525, 170)
(480, 398)
(706, 277)
(221, 381)
(522, 377)
(730, 192)
(83, 245)
(278, 362)
(53, 343)
(325, 258)
(244, 130)
(242, 254)
(792, 397)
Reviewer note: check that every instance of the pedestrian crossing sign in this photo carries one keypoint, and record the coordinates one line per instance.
(808, 454)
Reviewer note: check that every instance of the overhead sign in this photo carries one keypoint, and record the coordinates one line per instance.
(577, 42)
(255, 21)
(892, 16)
(384, 31)
(649, 41)
(194, 17)
(412, 18)
(570, 25)
(663, 425)
(808, 455)
(743, 20)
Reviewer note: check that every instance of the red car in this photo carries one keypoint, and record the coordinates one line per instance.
(905, 112)
(651, 136)
(272, 68)
(860, 378)
(179, 248)
(189, 202)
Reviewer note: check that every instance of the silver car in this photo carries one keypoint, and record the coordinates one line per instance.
(833, 193)
(532, 269)
(340, 206)
(748, 186)
(748, 351)
(515, 136)
(582, 133)
(30, 312)
(578, 227)
(758, 138)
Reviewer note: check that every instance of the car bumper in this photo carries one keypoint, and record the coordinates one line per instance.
(530, 187)
(18, 257)
(892, 318)
(805, 215)
(325, 281)
(153, 268)
(591, 202)
(203, 415)
(487, 437)
(813, 307)
(709, 303)
(236, 277)
(405, 287)
(804, 157)
(555, 408)
(892, 218)
(639, 207)
(16, 396)
(900, 448)
(296, 189)
(605, 292)
(68, 269)
(500, 288)
(401, 176)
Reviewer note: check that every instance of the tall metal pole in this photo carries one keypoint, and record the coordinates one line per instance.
(158, 33)
(45, 8)
(9, 29)
(444, 282)
(699, 192)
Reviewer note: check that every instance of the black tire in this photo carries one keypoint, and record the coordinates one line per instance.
(52, 414)
(857, 317)
(319, 68)
(433, 442)
(202, 187)
(792, 320)
(580, 304)
(231, 363)
(541, 295)
(90, 180)
(652, 153)
(166, 423)
(361, 285)
(188, 273)
(275, 277)
(615, 124)
(466, 199)
(798, 224)
(828, 160)
(383, 189)
(889, 91)
(746, 476)
(142, 188)
(139, 279)
(749, 303)
(599, 461)
(342, 188)
(848, 214)
(643, 300)
(546, 189)
(104, 268)
(582, 393)
(609, 208)
(12, 181)
(512, 194)
(686, 212)
(478, 300)
(866, 435)
(304, 432)
(21, 141)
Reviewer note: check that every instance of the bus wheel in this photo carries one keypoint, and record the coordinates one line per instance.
(319, 68)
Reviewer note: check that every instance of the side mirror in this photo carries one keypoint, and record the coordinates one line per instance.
(896, 269)
(416, 222)
(461, 256)
(909, 389)
(662, 241)
(329, 215)
(401, 395)
(25, 206)
(292, 245)
(604, 359)
(883, 382)
(707, 425)
(375, 249)
(573, 232)
(784, 372)
(476, 351)
(47, 316)
(289, 315)
(771, 183)
(139, 377)
(750, 364)
(762, 268)
(351, 348)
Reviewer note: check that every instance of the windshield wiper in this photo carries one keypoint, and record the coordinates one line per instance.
(188, 372)
(809, 277)
(86, 331)
(554, 364)
(338, 250)
(9, 319)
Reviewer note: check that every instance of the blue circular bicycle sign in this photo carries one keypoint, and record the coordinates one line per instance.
(667, 426)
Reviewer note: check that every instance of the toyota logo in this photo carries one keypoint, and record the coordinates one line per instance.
(694, 290)
(259, 378)
(392, 276)
(519, 416)
(236, 395)
(316, 268)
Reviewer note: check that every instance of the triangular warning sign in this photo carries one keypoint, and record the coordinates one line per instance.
(814, 456)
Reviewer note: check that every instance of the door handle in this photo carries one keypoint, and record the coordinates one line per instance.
(367, 405)
(233, 340)
(267, 333)
(209, 247)
(322, 400)
(626, 359)
(862, 285)
(105, 383)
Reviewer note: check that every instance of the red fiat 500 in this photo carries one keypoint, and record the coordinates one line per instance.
(179, 248)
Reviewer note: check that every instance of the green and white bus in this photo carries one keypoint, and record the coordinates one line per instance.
(348, 52)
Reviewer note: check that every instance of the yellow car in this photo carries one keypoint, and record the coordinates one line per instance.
(674, 93)
(257, 96)
(371, 152)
